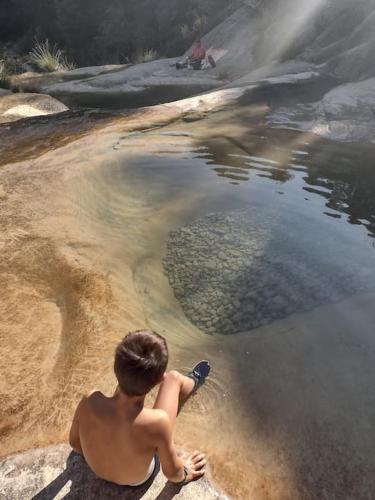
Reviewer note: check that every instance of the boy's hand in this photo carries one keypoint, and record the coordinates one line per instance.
(196, 465)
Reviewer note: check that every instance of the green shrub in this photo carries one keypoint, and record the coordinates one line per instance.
(48, 58)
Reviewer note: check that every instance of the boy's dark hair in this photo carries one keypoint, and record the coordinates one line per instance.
(140, 361)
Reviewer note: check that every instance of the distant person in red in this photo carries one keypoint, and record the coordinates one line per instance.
(196, 58)
(199, 52)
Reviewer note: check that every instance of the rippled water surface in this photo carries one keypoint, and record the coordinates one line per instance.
(255, 249)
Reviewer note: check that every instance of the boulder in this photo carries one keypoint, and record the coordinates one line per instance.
(16, 106)
(351, 100)
(347, 113)
(57, 472)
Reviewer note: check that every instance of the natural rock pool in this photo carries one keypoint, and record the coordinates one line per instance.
(234, 270)
(264, 240)
(251, 247)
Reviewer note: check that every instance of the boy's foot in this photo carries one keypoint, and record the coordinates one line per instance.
(199, 373)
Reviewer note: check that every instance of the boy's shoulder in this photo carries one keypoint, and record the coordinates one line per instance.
(88, 400)
(156, 421)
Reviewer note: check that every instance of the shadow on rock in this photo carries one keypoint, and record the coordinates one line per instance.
(84, 484)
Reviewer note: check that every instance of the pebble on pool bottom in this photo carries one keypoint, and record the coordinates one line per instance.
(232, 273)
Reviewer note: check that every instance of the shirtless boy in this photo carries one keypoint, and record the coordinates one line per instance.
(118, 436)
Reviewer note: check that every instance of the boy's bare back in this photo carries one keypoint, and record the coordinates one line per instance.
(118, 443)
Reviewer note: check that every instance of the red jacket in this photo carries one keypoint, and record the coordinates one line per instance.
(198, 52)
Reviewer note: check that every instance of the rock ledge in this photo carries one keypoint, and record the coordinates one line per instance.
(57, 472)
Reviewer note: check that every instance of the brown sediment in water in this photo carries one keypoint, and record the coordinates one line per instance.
(31, 137)
(75, 280)
(53, 319)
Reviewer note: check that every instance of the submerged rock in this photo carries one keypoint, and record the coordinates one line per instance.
(16, 106)
(57, 472)
(258, 273)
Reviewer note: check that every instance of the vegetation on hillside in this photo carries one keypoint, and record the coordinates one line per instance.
(92, 32)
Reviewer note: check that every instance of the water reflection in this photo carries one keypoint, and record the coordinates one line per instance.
(344, 174)
(243, 258)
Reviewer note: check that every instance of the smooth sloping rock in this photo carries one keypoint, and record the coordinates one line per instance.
(237, 35)
(345, 113)
(279, 70)
(143, 84)
(353, 64)
(210, 101)
(37, 82)
(16, 106)
(291, 78)
(350, 99)
(344, 39)
(338, 33)
(57, 472)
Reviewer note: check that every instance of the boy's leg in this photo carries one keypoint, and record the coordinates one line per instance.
(173, 392)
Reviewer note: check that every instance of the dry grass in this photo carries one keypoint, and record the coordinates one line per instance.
(48, 58)
(7, 68)
(146, 56)
(3, 73)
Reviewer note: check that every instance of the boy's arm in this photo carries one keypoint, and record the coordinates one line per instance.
(74, 440)
(171, 464)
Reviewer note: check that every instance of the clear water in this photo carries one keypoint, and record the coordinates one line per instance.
(255, 249)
